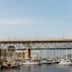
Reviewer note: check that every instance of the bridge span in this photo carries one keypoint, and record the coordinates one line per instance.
(28, 45)
(37, 44)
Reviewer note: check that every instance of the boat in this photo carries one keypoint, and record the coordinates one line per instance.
(32, 62)
(56, 62)
(10, 65)
(29, 61)
(65, 62)
(45, 61)
(19, 61)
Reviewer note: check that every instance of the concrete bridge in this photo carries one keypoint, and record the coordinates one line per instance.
(28, 45)
(38, 44)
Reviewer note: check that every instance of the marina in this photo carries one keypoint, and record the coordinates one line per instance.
(35, 35)
(15, 55)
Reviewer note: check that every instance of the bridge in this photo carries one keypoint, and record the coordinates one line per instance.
(38, 44)
(29, 45)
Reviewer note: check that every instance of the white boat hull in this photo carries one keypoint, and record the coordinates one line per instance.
(31, 63)
(65, 62)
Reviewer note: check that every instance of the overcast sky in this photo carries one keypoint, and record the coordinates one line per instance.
(35, 19)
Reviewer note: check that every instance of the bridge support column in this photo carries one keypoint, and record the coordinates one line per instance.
(27, 53)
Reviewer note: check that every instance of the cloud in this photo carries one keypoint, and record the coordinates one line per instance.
(15, 21)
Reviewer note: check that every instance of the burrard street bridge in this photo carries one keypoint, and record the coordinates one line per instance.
(28, 45)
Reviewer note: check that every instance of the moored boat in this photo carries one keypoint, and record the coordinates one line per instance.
(44, 61)
(32, 62)
(65, 62)
(10, 65)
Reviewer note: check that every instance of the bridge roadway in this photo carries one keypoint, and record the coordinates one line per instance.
(37, 44)
(36, 41)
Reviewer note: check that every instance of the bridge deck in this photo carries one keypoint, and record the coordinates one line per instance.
(35, 41)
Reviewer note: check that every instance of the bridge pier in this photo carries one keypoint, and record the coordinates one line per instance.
(27, 53)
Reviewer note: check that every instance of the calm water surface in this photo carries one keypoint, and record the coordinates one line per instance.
(40, 68)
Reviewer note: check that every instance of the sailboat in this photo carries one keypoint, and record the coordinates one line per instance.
(33, 60)
(29, 62)
(45, 60)
(9, 64)
(65, 61)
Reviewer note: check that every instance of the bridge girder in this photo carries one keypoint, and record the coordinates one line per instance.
(37, 45)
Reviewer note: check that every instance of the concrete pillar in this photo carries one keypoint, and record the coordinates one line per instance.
(27, 53)
(23, 54)
(0, 53)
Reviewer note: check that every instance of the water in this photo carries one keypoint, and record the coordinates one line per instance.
(40, 68)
